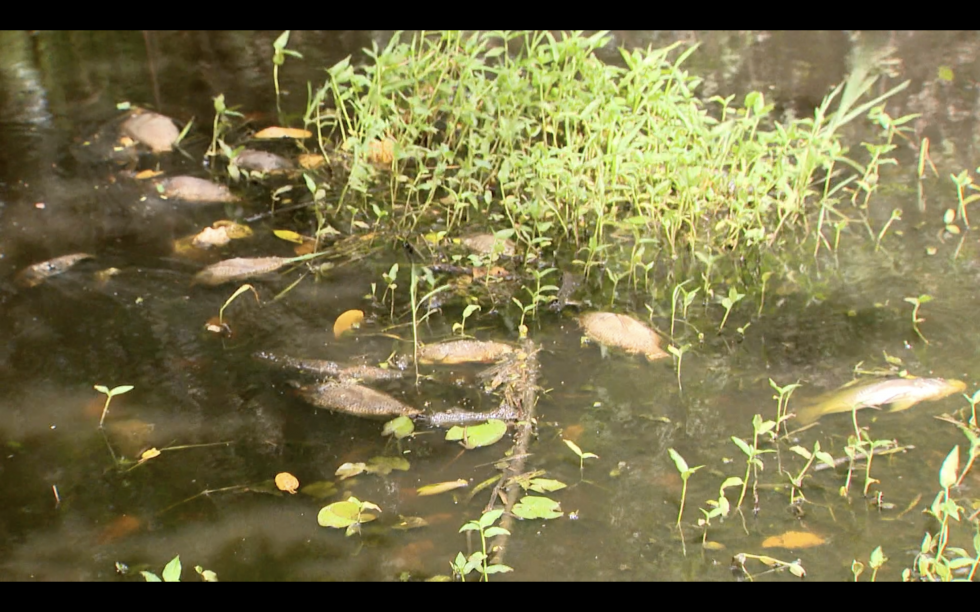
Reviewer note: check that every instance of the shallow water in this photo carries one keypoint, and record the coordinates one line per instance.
(70, 515)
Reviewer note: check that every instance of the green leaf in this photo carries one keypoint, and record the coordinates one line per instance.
(678, 460)
(573, 446)
(150, 577)
(534, 507)
(102, 389)
(478, 435)
(400, 427)
(495, 531)
(498, 569)
(731, 481)
(349, 470)
(878, 558)
(339, 514)
(320, 489)
(206, 575)
(546, 485)
(171, 573)
(739, 442)
(947, 473)
(489, 518)
(384, 465)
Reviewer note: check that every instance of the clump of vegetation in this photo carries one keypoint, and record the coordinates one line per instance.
(619, 164)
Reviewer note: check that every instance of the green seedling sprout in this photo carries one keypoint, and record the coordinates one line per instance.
(109, 394)
(171, 572)
(581, 456)
(679, 354)
(729, 302)
(752, 462)
(916, 303)
(796, 493)
(279, 58)
(221, 124)
(467, 312)
(895, 216)
(685, 473)
(719, 507)
(963, 181)
(238, 292)
(782, 401)
(478, 560)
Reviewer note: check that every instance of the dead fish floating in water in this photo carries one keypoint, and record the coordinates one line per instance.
(463, 351)
(901, 393)
(356, 400)
(323, 367)
(152, 129)
(488, 244)
(193, 189)
(458, 416)
(34, 275)
(239, 268)
(622, 332)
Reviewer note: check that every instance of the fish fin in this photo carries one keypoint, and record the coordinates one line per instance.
(902, 405)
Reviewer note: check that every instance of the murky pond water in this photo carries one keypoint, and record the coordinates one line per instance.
(228, 423)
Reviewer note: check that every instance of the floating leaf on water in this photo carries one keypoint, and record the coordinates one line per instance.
(262, 161)
(320, 489)
(193, 189)
(147, 174)
(239, 268)
(441, 487)
(36, 274)
(400, 427)
(287, 482)
(478, 435)
(339, 515)
(384, 465)
(349, 470)
(149, 454)
(463, 351)
(711, 545)
(289, 236)
(271, 133)
(152, 129)
(535, 507)
(793, 539)
(624, 332)
(346, 321)
(545, 485)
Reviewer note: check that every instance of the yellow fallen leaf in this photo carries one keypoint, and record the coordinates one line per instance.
(150, 454)
(147, 174)
(381, 151)
(288, 236)
(347, 320)
(310, 161)
(441, 487)
(287, 482)
(281, 132)
(793, 539)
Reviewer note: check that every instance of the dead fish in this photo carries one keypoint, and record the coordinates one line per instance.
(152, 129)
(262, 161)
(623, 332)
(238, 268)
(901, 393)
(353, 399)
(458, 416)
(463, 351)
(332, 368)
(192, 189)
(488, 244)
(33, 276)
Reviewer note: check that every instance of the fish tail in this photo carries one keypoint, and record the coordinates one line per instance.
(809, 414)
